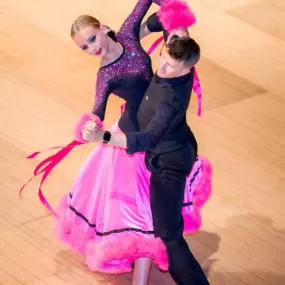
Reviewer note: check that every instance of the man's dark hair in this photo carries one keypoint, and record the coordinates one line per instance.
(185, 50)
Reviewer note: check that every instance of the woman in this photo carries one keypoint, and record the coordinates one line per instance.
(106, 216)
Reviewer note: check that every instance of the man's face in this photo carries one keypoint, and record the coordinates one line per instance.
(169, 67)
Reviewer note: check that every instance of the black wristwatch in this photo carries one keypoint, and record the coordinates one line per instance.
(106, 137)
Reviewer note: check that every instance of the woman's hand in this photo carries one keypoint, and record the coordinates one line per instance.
(91, 132)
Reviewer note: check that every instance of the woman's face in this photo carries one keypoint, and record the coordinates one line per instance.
(92, 40)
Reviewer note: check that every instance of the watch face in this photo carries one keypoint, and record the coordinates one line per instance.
(107, 136)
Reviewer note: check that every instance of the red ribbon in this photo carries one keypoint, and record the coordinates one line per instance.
(198, 91)
(46, 166)
(154, 45)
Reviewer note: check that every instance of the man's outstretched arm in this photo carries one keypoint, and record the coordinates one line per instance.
(145, 140)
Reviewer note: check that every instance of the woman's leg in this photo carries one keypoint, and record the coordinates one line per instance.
(141, 271)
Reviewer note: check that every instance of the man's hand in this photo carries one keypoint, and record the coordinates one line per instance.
(92, 133)
(180, 32)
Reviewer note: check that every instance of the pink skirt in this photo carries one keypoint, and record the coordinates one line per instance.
(107, 216)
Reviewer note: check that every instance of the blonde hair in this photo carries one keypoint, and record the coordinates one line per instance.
(82, 22)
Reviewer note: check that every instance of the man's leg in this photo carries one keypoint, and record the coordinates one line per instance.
(167, 186)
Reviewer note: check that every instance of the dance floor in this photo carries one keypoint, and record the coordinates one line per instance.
(46, 83)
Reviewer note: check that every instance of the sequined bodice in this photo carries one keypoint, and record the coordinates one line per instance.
(129, 76)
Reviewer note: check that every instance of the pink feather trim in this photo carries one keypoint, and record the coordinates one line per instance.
(174, 14)
(81, 122)
(202, 193)
(111, 254)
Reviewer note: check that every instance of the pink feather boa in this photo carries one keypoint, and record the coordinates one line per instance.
(81, 122)
(174, 14)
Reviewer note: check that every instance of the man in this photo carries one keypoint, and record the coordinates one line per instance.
(170, 148)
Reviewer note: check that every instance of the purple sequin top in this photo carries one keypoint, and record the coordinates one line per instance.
(129, 76)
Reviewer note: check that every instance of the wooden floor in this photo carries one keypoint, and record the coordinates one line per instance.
(46, 82)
